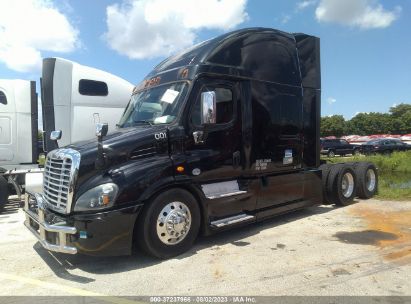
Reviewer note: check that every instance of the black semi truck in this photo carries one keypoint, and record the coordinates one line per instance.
(220, 135)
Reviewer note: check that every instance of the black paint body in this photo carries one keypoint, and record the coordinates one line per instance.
(275, 80)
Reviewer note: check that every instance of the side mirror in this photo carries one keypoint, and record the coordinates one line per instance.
(208, 107)
(101, 129)
(56, 135)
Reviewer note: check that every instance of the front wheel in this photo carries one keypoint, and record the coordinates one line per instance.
(331, 153)
(169, 225)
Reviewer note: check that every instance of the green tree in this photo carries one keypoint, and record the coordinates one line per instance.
(370, 123)
(401, 118)
(334, 125)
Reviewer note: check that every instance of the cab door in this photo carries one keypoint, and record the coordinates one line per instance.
(213, 150)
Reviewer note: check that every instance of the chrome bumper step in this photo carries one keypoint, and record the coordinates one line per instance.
(43, 228)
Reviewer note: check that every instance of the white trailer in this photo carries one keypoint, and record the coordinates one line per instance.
(73, 98)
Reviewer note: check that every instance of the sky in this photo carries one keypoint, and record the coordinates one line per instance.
(365, 44)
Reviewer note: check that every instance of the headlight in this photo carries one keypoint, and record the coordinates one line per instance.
(100, 197)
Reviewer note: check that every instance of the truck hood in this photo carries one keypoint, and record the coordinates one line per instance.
(119, 147)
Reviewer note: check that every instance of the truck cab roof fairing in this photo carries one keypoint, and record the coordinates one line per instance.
(242, 49)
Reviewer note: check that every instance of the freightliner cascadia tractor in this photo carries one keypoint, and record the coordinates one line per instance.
(220, 135)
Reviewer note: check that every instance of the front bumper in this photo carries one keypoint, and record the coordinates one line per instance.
(102, 234)
(53, 237)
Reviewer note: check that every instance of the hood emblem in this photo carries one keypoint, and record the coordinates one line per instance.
(196, 171)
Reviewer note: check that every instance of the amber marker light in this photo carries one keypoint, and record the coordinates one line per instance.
(106, 199)
(180, 169)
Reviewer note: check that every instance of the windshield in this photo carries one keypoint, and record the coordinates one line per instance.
(158, 105)
(373, 142)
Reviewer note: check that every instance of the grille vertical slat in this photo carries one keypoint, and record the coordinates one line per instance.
(57, 181)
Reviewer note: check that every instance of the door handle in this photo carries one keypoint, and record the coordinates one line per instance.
(198, 137)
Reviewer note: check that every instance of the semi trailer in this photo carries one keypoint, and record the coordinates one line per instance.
(73, 98)
(220, 135)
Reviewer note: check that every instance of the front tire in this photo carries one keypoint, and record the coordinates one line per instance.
(331, 154)
(169, 224)
(4, 192)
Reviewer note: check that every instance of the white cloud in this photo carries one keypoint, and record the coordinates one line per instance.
(151, 28)
(304, 4)
(285, 19)
(365, 14)
(331, 100)
(28, 27)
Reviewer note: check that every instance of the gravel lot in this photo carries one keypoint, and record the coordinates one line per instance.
(363, 249)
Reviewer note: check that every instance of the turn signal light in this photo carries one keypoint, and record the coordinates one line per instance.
(180, 169)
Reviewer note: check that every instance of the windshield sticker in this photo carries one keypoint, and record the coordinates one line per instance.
(169, 96)
(163, 119)
(288, 157)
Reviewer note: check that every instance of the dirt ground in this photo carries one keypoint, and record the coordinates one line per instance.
(362, 249)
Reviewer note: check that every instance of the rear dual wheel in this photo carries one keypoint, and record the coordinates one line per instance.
(367, 179)
(325, 170)
(341, 184)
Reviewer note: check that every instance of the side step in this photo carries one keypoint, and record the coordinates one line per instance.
(232, 220)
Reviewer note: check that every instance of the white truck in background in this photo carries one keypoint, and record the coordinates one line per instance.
(73, 98)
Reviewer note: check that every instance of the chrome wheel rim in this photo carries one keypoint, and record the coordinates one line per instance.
(370, 180)
(347, 184)
(173, 223)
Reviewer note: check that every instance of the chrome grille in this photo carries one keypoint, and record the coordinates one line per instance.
(60, 171)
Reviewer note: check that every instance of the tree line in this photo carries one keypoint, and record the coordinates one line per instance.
(397, 121)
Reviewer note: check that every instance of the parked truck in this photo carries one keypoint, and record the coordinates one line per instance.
(220, 135)
(73, 98)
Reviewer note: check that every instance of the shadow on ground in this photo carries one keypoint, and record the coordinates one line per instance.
(61, 264)
(12, 206)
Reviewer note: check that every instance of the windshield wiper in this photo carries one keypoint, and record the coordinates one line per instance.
(143, 121)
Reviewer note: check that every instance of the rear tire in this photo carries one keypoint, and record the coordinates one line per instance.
(367, 180)
(325, 169)
(4, 192)
(341, 185)
(331, 154)
(169, 224)
(356, 152)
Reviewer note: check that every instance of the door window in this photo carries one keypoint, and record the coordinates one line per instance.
(224, 107)
(92, 87)
(3, 98)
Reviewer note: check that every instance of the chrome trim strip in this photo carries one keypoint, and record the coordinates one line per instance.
(225, 194)
(232, 220)
(221, 189)
(48, 227)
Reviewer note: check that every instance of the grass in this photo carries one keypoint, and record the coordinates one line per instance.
(394, 173)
